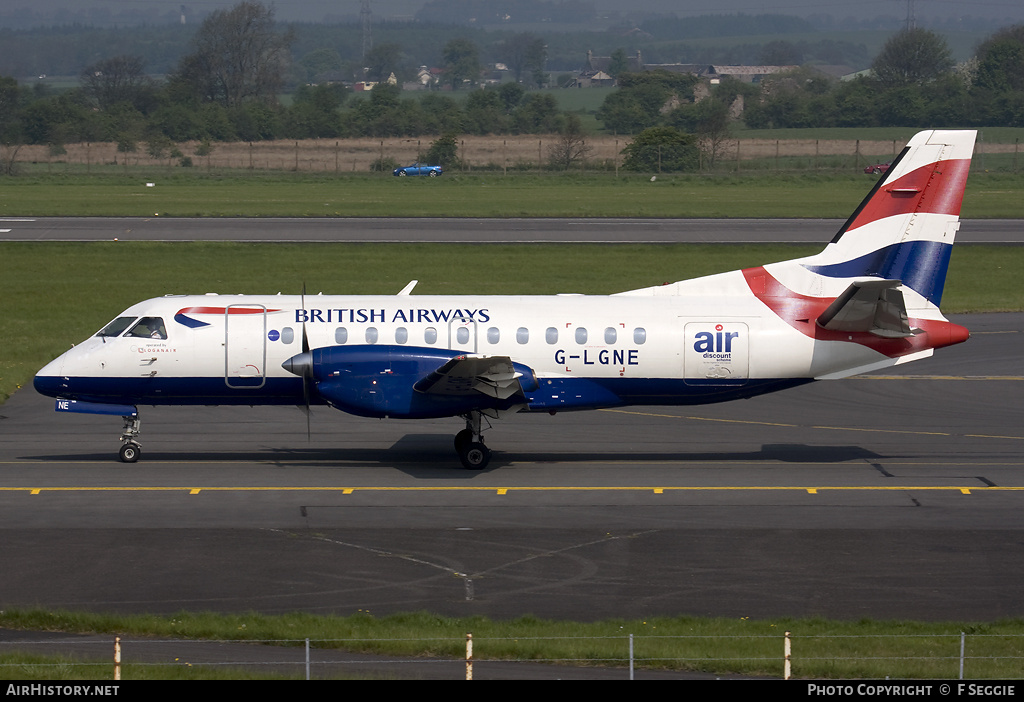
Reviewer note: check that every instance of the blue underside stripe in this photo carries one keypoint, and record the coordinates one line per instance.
(554, 393)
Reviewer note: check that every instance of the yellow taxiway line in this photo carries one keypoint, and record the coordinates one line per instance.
(504, 490)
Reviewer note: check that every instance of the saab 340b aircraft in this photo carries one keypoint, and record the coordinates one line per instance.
(869, 300)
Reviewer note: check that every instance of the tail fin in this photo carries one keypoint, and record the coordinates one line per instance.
(904, 228)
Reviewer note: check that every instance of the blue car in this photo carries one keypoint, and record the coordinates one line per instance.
(419, 170)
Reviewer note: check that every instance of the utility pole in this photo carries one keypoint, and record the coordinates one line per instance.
(911, 21)
(365, 16)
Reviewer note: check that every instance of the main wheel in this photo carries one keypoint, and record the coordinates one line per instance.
(462, 440)
(475, 456)
(129, 452)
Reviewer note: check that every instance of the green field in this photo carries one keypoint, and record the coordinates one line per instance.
(266, 194)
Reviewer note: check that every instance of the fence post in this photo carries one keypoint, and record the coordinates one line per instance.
(630, 656)
(469, 656)
(787, 650)
(307, 659)
(962, 637)
(117, 658)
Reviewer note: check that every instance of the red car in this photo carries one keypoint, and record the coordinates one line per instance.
(878, 168)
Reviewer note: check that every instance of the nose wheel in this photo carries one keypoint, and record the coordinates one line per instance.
(469, 444)
(129, 452)
(130, 447)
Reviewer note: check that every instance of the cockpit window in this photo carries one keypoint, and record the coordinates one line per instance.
(116, 327)
(149, 328)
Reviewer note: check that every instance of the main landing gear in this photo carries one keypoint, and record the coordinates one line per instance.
(131, 449)
(469, 444)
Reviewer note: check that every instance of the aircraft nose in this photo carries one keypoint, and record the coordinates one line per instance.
(50, 380)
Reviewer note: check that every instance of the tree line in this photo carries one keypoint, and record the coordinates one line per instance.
(226, 88)
(913, 82)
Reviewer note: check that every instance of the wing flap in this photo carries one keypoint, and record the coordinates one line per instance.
(875, 306)
(494, 376)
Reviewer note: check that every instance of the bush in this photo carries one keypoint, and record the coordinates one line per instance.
(661, 150)
(385, 164)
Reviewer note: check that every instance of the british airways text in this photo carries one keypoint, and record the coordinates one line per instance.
(340, 315)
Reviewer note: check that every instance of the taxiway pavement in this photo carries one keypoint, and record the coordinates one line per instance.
(896, 495)
(469, 231)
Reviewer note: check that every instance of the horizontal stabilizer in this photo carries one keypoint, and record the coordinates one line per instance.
(874, 306)
(494, 376)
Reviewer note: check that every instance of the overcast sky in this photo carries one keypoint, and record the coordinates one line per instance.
(1012, 11)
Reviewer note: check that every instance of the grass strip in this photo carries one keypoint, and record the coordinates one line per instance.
(864, 649)
(280, 194)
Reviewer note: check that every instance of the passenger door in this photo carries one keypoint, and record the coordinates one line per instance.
(245, 346)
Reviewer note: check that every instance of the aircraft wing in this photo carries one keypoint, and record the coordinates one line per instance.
(875, 306)
(494, 376)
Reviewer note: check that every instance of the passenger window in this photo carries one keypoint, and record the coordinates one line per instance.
(287, 335)
(371, 335)
(462, 335)
(610, 335)
(116, 327)
(493, 335)
(341, 335)
(639, 335)
(523, 335)
(581, 335)
(430, 335)
(551, 335)
(149, 328)
(401, 335)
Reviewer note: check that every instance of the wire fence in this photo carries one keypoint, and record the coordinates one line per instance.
(959, 656)
(503, 154)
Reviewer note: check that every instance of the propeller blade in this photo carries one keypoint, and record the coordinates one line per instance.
(307, 369)
(305, 339)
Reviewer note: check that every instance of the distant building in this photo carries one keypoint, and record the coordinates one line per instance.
(744, 74)
(595, 73)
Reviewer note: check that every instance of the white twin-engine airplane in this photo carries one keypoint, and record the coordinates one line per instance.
(869, 300)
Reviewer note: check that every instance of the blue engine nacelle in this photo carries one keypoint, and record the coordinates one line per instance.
(379, 380)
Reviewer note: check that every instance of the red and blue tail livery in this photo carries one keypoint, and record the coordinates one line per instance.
(869, 300)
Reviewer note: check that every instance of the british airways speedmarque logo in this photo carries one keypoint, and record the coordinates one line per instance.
(185, 314)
